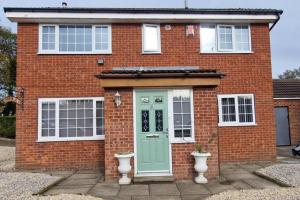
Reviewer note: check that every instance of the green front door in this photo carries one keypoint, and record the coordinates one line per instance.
(152, 131)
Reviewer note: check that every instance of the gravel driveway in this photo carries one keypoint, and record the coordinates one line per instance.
(7, 158)
(288, 174)
(266, 194)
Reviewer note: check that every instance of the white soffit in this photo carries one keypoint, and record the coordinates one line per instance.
(54, 17)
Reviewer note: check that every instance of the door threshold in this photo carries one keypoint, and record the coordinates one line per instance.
(149, 174)
(153, 179)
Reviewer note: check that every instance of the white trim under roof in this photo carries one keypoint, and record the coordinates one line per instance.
(54, 17)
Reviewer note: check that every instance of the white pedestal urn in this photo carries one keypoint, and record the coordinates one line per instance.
(124, 167)
(200, 166)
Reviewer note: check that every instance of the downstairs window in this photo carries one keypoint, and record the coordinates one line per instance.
(236, 110)
(71, 119)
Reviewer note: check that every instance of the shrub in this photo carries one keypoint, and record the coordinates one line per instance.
(8, 126)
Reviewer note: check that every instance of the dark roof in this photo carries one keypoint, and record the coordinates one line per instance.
(233, 11)
(286, 88)
(161, 72)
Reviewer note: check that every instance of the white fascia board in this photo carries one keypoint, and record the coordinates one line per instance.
(125, 17)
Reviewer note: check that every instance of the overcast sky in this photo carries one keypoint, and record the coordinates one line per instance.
(285, 37)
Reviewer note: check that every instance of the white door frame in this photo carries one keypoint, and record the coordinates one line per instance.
(170, 173)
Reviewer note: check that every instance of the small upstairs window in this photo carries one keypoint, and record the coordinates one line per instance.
(151, 38)
(75, 39)
(225, 38)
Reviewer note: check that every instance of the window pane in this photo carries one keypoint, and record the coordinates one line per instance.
(228, 110)
(101, 38)
(245, 109)
(48, 38)
(225, 38)
(208, 38)
(75, 38)
(159, 120)
(48, 119)
(182, 113)
(151, 38)
(145, 120)
(242, 40)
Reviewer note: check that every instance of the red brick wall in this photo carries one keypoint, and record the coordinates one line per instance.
(294, 117)
(73, 76)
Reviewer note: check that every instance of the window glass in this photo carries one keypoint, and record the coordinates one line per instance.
(208, 38)
(48, 119)
(101, 38)
(151, 38)
(225, 38)
(182, 113)
(75, 38)
(48, 37)
(228, 110)
(76, 118)
(236, 109)
(242, 42)
(245, 109)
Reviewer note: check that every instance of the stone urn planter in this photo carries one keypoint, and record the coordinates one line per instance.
(124, 167)
(200, 165)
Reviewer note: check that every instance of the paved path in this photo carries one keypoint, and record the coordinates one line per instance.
(234, 177)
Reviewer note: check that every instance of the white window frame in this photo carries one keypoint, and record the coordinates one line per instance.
(217, 44)
(56, 137)
(151, 51)
(232, 38)
(172, 137)
(237, 122)
(57, 51)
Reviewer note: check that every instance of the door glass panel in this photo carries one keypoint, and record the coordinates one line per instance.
(159, 120)
(145, 120)
(158, 99)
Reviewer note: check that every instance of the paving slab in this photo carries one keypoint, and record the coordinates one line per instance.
(163, 189)
(117, 198)
(241, 185)
(85, 176)
(194, 197)
(77, 190)
(239, 176)
(215, 187)
(90, 171)
(105, 190)
(234, 171)
(250, 167)
(260, 183)
(162, 197)
(79, 182)
(191, 188)
(132, 190)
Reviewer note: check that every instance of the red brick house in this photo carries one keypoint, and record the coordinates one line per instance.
(287, 111)
(182, 75)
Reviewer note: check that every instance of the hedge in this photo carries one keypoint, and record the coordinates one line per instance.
(8, 126)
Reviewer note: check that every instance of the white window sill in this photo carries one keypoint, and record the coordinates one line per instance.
(182, 141)
(151, 52)
(236, 124)
(102, 137)
(227, 52)
(72, 53)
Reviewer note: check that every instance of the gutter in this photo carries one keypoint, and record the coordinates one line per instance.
(277, 20)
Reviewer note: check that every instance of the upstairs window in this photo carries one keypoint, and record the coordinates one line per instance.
(225, 38)
(76, 39)
(151, 38)
(236, 110)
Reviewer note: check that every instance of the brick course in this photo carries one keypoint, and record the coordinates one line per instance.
(73, 76)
